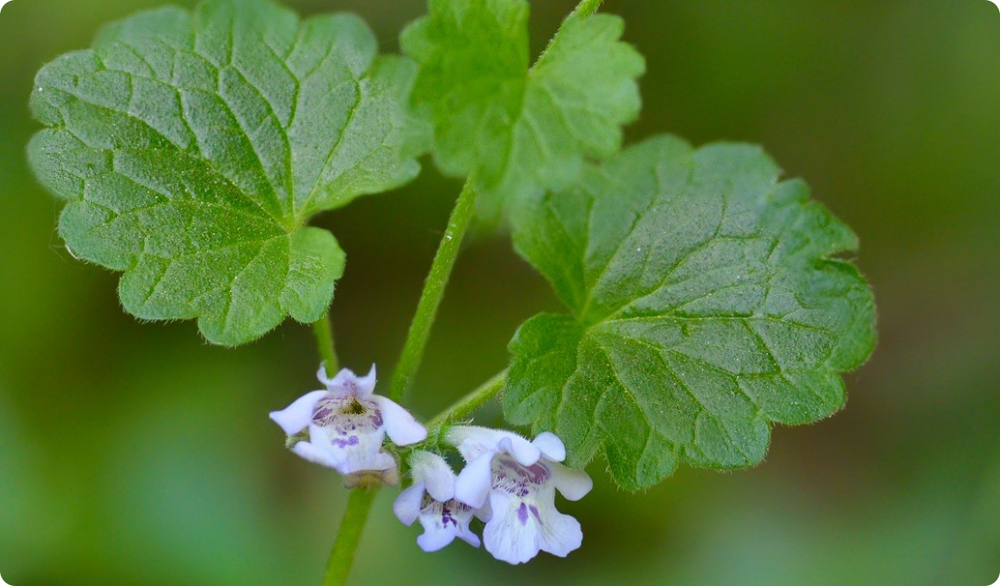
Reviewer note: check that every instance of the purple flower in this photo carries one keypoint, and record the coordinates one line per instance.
(431, 500)
(347, 424)
(511, 483)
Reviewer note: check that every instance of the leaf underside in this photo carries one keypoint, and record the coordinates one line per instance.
(193, 148)
(520, 131)
(707, 301)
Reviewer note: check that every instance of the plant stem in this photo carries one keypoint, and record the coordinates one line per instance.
(325, 345)
(430, 298)
(586, 7)
(361, 500)
(353, 525)
(444, 261)
(469, 403)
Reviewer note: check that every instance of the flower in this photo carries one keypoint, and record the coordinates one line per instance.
(346, 427)
(431, 499)
(512, 483)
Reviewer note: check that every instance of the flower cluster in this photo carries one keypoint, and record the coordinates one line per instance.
(344, 428)
(508, 482)
(431, 499)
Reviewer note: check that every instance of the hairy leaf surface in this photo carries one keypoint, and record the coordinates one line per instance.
(707, 301)
(193, 148)
(520, 130)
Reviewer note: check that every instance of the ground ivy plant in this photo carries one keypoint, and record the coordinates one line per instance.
(705, 298)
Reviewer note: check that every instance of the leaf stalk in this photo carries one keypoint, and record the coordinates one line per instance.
(586, 7)
(433, 293)
(325, 344)
(469, 403)
(338, 569)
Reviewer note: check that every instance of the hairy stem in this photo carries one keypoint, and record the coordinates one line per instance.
(444, 261)
(353, 525)
(430, 298)
(360, 503)
(584, 9)
(587, 7)
(361, 500)
(325, 345)
(469, 403)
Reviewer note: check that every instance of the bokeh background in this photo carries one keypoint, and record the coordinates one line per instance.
(136, 453)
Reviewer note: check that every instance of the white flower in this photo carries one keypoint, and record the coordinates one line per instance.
(347, 425)
(431, 500)
(512, 483)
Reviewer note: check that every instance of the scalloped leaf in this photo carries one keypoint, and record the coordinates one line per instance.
(520, 130)
(708, 301)
(194, 147)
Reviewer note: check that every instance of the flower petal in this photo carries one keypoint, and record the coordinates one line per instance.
(466, 535)
(572, 483)
(435, 538)
(322, 377)
(407, 504)
(377, 462)
(474, 481)
(366, 384)
(523, 451)
(484, 513)
(298, 415)
(512, 534)
(559, 534)
(312, 453)
(434, 471)
(355, 452)
(442, 522)
(551, 446)
(402, 428)
(346, 382)
(472, 440)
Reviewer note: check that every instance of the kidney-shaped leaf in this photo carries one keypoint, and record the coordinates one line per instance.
(193, 148)
(707, 302)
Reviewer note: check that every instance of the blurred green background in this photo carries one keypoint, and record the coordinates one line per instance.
(137, 454)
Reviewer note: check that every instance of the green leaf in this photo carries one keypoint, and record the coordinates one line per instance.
(193, 149)
(519, 130)
(707, 302)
